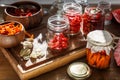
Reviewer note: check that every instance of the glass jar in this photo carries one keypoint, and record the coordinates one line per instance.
(73, 11)
(106, 7)
(93, 19)
(57, 36)
(99, 46)
(83, 3)
(56, 7)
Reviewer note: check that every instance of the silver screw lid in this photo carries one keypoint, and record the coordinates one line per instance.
(79, 71)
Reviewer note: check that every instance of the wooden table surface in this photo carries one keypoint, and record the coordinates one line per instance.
(112, 73)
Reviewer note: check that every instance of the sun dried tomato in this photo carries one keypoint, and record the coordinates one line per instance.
(92, 20)
(74, 21)
(86, 24)
(22, 11)
(59, 42)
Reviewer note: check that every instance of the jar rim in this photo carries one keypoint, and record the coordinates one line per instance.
(89, 8)
(69, 6)
(58, 22)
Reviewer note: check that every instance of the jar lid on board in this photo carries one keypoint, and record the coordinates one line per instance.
(79, 71)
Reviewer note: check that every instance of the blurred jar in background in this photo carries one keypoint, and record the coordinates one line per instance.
(73, 11)
(56, 7)
(106, 7)
(83, 3)
(93, 19)
(99, 47)
(57, 36)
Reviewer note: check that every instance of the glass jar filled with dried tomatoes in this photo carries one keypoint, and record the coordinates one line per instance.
(73, 11)
(57, 36)
(99, 48)
(93, 19)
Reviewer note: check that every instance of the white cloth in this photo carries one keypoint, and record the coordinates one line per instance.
(99, 40)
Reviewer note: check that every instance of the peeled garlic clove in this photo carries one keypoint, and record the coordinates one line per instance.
(33, 55)
(27, 44)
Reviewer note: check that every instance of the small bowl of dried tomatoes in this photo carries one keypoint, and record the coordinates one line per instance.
(29, 13)
(11, 34)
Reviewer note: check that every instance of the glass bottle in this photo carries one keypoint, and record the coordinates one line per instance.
(99, 46)
(73, 11)
(57, 36)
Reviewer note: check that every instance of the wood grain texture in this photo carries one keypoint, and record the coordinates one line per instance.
(61, 61)
(6, 70)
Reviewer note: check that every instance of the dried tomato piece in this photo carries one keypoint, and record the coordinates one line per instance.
(92, 19)
(59, 42)
(74, 21)
(86, 24)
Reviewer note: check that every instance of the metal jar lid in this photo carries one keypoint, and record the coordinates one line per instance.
(79, 71)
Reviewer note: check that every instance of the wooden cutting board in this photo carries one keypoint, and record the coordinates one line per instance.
(46, 67)
(75, 51)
